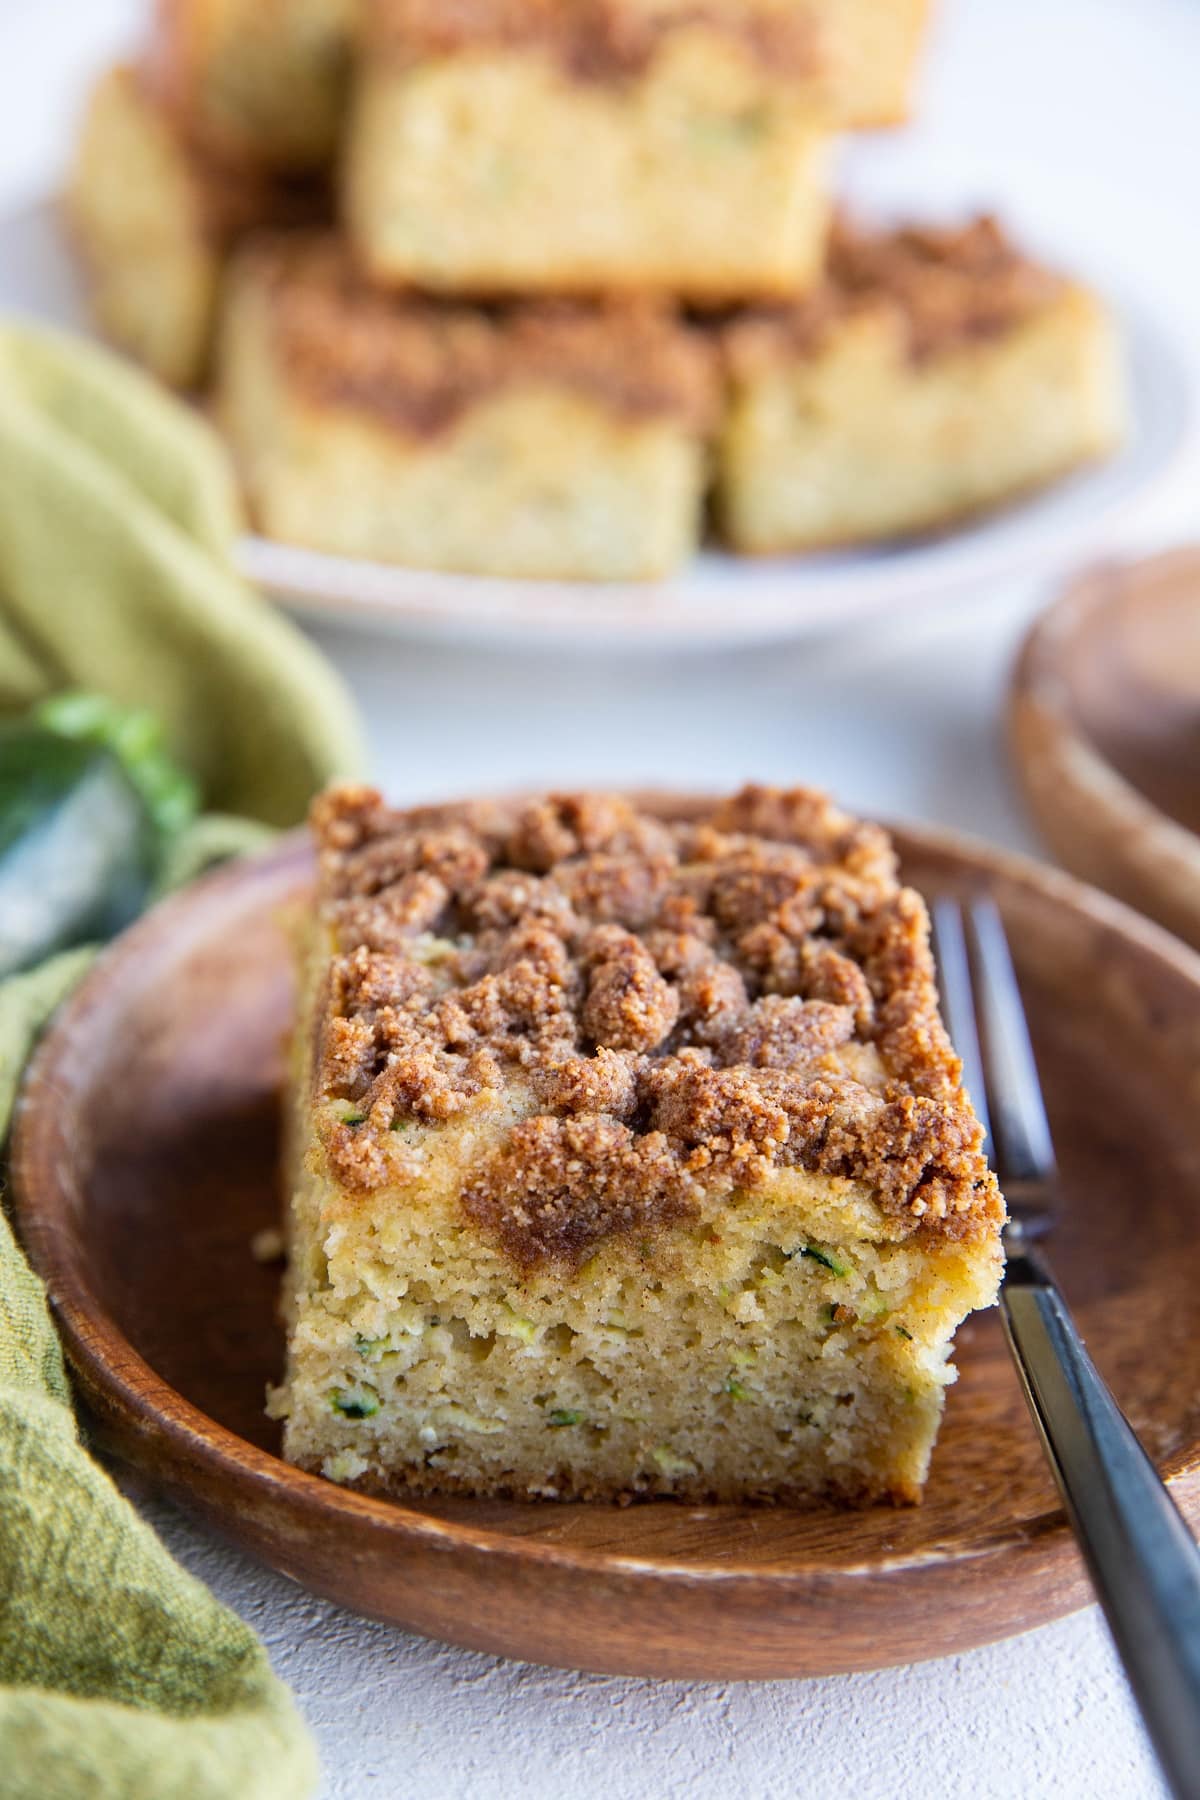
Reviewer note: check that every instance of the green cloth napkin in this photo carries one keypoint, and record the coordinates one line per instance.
(121, 1677)
(116, 518)
(26, 1002)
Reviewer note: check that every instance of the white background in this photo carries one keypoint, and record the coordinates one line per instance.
(1079, 119)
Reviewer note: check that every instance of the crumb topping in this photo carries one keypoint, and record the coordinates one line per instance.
(684, 1003)
(946, 287)
(421, 363)
(592, 40)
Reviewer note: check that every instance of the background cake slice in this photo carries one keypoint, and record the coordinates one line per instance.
(871, 49)
(154, 220)
(935, 373)
(257, 83)
(606, 145)
(628, 1156)
(534, 440)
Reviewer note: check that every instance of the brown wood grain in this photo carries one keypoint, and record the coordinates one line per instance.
(1105, 727)
(146, 1157)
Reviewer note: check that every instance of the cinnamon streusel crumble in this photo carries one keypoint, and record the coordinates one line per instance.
(629, 1155)
(858, 54)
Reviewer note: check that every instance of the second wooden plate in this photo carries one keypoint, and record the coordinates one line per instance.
(145, 1160)
(1104, 719)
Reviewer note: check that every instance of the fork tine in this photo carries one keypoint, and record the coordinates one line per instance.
(954, 980)
(1020, 1134)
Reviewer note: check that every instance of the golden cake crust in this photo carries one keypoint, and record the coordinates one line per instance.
(591, 40)
(422, 363)
(947, 286)
(689, 1003)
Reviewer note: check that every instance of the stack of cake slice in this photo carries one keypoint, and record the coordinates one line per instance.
(578, 274)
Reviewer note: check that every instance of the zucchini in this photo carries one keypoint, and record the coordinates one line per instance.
(76, 851)
(88, 803)
(355, 1403)
(828, 1259)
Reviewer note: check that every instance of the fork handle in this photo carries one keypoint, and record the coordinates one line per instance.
(1142, 1558)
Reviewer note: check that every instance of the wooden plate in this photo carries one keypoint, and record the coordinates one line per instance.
(145, 1159)
(1105, 722)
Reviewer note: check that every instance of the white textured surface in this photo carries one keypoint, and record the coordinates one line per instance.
(1044, 1715)
(1079, 118)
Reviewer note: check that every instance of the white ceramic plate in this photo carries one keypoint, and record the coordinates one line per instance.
(720, 600)
(723, 600)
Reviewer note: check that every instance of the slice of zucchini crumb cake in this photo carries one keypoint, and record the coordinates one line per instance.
(628, 1156)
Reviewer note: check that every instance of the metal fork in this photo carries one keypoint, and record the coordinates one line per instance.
(1143, 1561)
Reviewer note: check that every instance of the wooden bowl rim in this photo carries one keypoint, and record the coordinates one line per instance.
(148, 1405)
(1039, 688)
